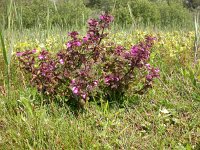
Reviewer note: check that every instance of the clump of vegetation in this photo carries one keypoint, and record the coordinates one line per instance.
(156, 13)
(74, 13)
(87, 68)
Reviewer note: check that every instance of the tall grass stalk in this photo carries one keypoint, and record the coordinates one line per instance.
(48, 22)
(9, 14)
(197, 35)
(8, 50)
(6, 62)
(131, 14)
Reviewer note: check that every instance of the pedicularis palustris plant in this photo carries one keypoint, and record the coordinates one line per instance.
(90, 68)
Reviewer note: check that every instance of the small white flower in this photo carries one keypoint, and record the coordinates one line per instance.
(42, 45)
(164, 111)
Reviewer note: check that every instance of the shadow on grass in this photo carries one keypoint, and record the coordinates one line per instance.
(76, 106)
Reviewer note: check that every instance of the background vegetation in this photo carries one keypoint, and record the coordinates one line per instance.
(70, 13)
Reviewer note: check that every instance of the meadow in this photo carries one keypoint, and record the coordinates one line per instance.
(166, 116)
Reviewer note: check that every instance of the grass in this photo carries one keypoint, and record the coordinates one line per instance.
(143, 125)
(167, 117)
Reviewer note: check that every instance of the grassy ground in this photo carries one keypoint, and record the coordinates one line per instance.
(167, 117)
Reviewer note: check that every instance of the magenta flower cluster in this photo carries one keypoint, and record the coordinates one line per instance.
(87, 67)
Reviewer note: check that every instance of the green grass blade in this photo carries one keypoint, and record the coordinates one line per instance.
(10, 51)
(3, 48)
(6, 65)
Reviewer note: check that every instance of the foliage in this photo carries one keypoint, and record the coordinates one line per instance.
(63, 13)
(157, 13)
(174, 15)
(192, 3)
(89, 68)
(73, 13)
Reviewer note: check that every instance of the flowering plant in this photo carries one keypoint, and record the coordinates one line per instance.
(90, 68)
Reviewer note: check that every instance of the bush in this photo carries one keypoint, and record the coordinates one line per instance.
(152, 13)
(73, 13)
(34, 13)
(174, 15)
(146, 11)
(89, 68)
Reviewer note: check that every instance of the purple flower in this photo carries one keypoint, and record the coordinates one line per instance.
(153, 73)
(93, 35)
(149, 77)
(95, 83)
(73, 81)
(116, 64)
(119, 50)
(106, 17)
(47, 69)
(126, 55)
(34, 51)
(25, 53)
(85, 39)
(148, 66)
(140, 54)
(107, 80)
(157, 70)
(61, 61)
(89, 87)
(134, 51)
(116, 79)
(43, 55)
(75, 90)
(93, 22)
(73, 34)
(150, 40)
(73, 43)
(69, 44)
(77, 43)
(19, 54)
(83, 96)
